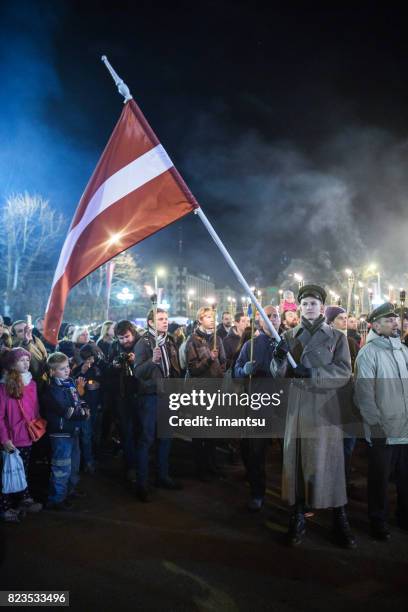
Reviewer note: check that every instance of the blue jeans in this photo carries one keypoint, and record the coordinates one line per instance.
(89, 434)
(146, 416)
(65, 459)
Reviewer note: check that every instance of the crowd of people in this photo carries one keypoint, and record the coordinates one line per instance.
(99, 388)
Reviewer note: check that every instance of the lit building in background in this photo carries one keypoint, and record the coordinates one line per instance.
(227, 300)
(186, 292)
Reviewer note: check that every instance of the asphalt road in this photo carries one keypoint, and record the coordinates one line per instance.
(200, 549)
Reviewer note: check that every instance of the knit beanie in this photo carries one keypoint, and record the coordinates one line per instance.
(11, 357)
(332, 312)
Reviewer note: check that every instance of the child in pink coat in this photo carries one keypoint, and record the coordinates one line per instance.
(17, 389)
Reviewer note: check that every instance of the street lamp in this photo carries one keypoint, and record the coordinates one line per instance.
(357, 304)
(299, 279)
(159, 272)
(350, 283)
(126, 297)
(190, 293)
(245, 303)
(370, 299)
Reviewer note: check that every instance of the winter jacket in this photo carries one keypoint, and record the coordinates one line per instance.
(12, 423)
(63, 408)
(381, 387)
(147, 372)
(66, 347)
(199, 362)
(104, 346)
(222, 332)
(264, 347)
(231, 343)
(117, 378)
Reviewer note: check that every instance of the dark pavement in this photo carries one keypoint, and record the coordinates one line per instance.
(200, 549)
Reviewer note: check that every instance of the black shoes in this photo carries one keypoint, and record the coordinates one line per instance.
(169, 484)
(63, 506)
(143, 494)
(380, 531)
(341, 529)
(297, 529)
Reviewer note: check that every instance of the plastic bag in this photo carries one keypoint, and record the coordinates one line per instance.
(13, 475)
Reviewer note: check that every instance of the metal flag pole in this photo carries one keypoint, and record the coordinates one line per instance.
(125, 92)
(251, 341)
(153, 299)
(214, 308)
(402, 311)
(123, 89)
(240, 278)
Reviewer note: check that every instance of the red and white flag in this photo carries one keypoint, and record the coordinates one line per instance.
(134, 192)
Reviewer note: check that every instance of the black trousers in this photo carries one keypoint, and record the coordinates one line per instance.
(256, 456)
(383, 460)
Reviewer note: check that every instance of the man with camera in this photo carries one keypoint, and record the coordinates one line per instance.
(123, 384)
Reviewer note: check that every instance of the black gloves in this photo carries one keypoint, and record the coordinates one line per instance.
(281, 350)
(302, 371)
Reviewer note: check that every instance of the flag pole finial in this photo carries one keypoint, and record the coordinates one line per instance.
(123, 89)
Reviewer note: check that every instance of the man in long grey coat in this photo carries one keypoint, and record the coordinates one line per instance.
(313, 461)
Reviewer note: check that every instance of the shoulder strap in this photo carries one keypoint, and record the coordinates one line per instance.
(20, 405)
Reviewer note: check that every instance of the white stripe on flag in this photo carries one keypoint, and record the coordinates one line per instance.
(139, 172)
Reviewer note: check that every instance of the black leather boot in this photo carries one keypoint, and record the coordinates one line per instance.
(297, 527)
(341, 529)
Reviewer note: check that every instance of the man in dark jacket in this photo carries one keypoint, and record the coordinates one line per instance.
(259, 368)
(224, 327)
(122, 383)
(232, 340)
(156, 357)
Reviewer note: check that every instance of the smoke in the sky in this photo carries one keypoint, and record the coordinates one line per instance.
(340, 206)
(337, 202)
(35, 154)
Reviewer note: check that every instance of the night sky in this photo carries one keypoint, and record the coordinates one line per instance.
(289, 124)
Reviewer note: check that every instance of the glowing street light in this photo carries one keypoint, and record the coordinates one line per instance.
(190, 293)
(299, 279)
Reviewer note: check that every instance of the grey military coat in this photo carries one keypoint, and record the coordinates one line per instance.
(313, 460)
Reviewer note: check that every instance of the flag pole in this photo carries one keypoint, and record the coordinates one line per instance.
(240, 278)
(125, 92)
(123, 89)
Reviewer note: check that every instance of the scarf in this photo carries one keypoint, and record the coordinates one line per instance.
(205, 332)
(26, 378)
(312, 328)
(68, 383)
(165, 361)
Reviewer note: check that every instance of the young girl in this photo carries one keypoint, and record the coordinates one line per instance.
(18, 394)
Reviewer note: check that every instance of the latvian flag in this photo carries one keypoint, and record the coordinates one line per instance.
(134, 192)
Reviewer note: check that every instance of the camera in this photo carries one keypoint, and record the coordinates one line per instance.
(124, 362)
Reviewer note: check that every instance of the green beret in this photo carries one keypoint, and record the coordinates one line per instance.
(385, 310)
(312, 291)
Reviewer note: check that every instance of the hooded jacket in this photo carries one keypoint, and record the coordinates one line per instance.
(381, 387)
